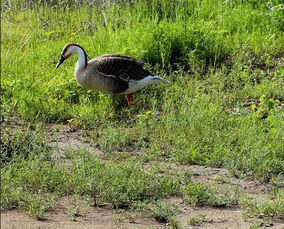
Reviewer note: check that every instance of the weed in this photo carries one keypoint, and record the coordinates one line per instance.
(36, 205)
(22, 144)
(174, 224)
(74, 209)
(119, 139)
(127, 182)
(196, 221)
(255, 226)
(201, 195)
(120, 184)
(10, 199)
(264, 106)
(271, 207)
(161, 210)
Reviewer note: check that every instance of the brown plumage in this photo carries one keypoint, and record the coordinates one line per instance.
(121, 66)
(110, 73)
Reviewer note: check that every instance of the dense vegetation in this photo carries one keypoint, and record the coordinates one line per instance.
(223, 108)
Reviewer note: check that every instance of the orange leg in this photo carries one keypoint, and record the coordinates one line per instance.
(129, 98)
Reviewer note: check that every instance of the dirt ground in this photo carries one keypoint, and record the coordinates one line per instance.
(63, 137)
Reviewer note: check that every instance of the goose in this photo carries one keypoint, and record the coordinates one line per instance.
(110, 73)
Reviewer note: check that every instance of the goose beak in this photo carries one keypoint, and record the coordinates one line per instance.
(60, 61)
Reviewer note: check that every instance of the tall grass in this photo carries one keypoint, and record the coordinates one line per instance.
(224, 59)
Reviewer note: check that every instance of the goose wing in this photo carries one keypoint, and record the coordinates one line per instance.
(120, 66)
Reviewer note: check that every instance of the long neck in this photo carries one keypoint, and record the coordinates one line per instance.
(82, 57)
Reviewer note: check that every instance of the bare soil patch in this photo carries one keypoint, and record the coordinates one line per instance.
(97, 218)
(62, 137)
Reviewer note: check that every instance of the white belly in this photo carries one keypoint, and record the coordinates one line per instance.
(135, 85)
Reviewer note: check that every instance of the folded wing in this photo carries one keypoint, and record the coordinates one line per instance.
(120, 66)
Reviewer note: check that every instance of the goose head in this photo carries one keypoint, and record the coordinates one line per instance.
(68, 51)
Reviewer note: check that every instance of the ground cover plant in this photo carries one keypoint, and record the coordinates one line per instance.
(224, 107)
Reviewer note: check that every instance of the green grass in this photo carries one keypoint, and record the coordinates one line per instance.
(196, 221)
(74, 209)
(24, 181)
(271, 207)
(22, 143)
(162, 211)
(223, 108)
(197, 194)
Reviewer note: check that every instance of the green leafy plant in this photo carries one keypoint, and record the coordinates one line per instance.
(271, 207)
(196, 221)
(264, 106)
(36, 205)
(201, 195)
(74, 209)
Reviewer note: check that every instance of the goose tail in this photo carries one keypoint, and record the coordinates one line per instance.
(158, 78)
(137, 85)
